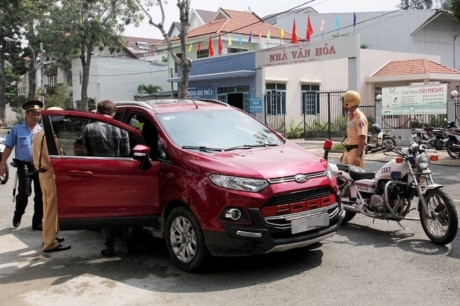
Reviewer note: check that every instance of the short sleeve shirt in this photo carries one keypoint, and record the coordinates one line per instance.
(20, 138)
(356, 125)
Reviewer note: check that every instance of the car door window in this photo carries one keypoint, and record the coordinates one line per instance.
(149, 131)
(79, 136)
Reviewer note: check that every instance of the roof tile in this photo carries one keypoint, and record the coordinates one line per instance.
(414, 66)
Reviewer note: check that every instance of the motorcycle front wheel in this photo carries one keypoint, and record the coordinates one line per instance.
(388, 142)
(4, 177)
(440, 222)
(452, 150)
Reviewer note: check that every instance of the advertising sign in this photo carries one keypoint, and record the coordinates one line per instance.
(414, 100)
(201, 92)
(255, 105)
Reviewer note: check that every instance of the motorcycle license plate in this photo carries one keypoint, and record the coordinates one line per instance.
(308, 223)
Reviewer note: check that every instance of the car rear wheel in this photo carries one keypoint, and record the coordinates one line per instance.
(185, 240)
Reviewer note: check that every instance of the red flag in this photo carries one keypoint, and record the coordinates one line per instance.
(210, 47)
(221, 45)
(199, 46)
(309, 29)
(294, 38)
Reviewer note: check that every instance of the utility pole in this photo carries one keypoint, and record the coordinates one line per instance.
(42, 75)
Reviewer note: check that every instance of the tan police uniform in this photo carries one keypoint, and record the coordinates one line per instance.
(356, 125)
(48, 186)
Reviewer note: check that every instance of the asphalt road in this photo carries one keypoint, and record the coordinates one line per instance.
(367, 263)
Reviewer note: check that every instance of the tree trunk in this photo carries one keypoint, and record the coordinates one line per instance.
(32, 79)
(84, 86)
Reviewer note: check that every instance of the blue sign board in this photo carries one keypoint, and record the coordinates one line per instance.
(255, 105)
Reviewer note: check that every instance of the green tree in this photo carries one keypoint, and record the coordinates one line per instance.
(11, 19)
(76, 27)
(452, 6)
(184, 61)
(148, 89)
(416, 4)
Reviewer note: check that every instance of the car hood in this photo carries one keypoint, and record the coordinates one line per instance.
(267, 162)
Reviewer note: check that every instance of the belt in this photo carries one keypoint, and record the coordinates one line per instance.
(350, 147)
(20, 162)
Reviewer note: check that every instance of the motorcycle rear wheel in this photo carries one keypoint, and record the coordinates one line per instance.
(452, 151)
(440, 223)
(4, 177)
(438, 143)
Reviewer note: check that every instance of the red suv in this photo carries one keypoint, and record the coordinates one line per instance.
(205, 176)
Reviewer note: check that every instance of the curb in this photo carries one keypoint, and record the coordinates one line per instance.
(316, 147)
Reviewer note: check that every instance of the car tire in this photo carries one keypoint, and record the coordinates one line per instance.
(185, 240)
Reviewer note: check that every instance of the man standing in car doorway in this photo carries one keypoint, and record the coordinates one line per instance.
(357, 127)
(20, 138)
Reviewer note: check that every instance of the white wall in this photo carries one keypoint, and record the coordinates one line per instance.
(118, 78)
(333, 75)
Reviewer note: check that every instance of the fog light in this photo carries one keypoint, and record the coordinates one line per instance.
(233, 213)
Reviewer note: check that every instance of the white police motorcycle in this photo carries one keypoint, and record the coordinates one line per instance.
(402, 185)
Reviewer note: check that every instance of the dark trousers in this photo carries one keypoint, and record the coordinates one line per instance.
(26, 176)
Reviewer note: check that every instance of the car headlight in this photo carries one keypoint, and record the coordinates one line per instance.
(238, 183)
(423, 161)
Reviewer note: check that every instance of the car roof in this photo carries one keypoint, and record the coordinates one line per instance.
(175, 105)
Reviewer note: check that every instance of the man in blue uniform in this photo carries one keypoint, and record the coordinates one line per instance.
(20, 138)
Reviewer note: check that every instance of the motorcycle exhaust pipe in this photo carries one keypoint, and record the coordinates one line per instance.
(351, 208)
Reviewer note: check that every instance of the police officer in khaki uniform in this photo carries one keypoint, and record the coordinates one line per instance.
(357, 126)
(41, 159)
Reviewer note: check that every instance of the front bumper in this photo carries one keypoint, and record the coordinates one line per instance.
(263, 237)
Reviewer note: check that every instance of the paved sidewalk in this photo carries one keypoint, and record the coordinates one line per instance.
(316, 147)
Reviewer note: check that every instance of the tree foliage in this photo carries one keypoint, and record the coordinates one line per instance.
(416, 4)
(74, 28)
(11, 19)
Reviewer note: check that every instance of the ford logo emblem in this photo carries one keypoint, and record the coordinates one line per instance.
(300, 178)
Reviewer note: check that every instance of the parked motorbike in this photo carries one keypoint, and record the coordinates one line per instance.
(4, 177)
(424, 136)
(453, 143)
(440, 134)
(377, 140)
(389, 192)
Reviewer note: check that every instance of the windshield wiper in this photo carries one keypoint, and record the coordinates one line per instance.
(202, 148)
(246, 146)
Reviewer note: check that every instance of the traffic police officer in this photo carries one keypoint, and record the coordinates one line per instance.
(357, 127)
(20, 137)
(42, 162)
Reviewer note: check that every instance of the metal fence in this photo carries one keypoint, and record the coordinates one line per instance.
(323, 116)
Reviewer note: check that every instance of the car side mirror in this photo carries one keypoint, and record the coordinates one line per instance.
(141, 153)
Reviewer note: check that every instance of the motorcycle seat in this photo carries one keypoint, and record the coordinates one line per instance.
(357, 173)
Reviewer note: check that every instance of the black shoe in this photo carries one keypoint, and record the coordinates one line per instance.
(60, 247)
(60, 239)
(16, 220)
(108, 252)
(37, 227)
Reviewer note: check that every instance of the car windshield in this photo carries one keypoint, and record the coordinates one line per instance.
(217, 130)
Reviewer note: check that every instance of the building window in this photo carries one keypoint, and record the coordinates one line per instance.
(52, 81)
(310, 99)
(236, 50)
(202, 53)
(275, 97)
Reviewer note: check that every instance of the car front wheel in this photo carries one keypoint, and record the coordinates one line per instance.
(184, 240)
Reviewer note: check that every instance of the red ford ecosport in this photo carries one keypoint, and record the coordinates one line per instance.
(205, 176)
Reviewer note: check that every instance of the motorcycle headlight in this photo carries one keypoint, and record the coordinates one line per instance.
(328, 172)
(238, 183)
(423, 161)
